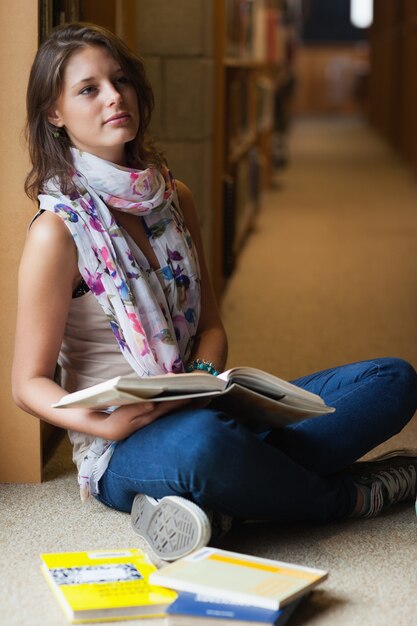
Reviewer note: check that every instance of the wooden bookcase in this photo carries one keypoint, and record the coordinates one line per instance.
(249, 61)
(392, 84)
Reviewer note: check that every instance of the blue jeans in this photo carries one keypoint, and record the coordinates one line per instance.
(297, 473)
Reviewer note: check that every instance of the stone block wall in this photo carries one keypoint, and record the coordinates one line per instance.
(175, 39)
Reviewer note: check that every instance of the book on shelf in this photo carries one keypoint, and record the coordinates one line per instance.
(239, 26)
(254, 175)
(259, 32)
(255, 395)
(245, 206)
(239, 578)
(266, 90)
(241, 111)
(274, 36)
(105, 585)
(231, 27)
(255, 30)
(191, 609)
(229, 252)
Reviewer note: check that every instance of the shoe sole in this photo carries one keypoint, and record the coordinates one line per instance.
(172, 527)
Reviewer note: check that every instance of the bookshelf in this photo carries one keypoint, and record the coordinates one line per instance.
(392, 86)
(250, 44)
(55, 12)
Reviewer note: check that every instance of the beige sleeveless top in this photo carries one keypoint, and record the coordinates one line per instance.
(89, 355)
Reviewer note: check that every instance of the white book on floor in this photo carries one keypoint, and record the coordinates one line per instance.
(248, 393)
(239, 578)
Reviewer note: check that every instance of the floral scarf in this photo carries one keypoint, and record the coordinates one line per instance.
(154, 330)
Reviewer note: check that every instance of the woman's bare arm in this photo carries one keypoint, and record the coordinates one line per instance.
(48, 273)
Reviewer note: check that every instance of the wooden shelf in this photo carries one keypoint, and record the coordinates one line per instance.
(249, 62)
(252, 64)
(245, 63)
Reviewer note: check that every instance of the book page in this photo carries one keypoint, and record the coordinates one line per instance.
(267, 383)
(252, 408)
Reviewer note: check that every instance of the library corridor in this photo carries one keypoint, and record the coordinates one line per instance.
(329, 273)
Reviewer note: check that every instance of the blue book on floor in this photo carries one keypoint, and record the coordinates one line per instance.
(196, 609)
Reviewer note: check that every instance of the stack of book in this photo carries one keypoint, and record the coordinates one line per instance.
(210, 587)
(221, 588)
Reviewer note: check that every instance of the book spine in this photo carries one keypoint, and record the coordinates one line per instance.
(228, 226)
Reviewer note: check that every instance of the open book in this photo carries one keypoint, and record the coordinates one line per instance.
(249, 394)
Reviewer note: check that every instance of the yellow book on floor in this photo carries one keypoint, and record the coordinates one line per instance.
(105, 585)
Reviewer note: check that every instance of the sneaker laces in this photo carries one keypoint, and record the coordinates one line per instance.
(376, 500)
(400, 483)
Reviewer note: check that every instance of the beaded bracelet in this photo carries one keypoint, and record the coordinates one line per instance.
(201, 364)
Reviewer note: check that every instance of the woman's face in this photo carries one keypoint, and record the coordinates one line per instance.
(98, 104)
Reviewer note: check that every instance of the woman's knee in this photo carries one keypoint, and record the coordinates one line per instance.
(402, 382)
(403, 373)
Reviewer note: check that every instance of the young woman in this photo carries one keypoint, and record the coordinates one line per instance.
(113, 280)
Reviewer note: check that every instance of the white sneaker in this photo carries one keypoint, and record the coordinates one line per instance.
(171, 527)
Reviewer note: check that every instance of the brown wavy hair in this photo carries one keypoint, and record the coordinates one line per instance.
(50, 155)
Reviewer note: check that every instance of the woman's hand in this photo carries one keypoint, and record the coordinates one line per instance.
(126, 420)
